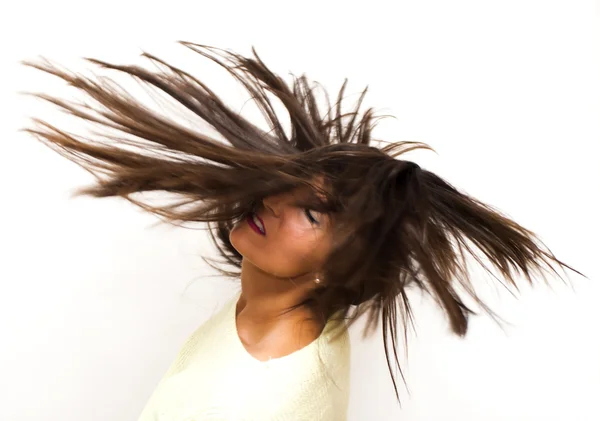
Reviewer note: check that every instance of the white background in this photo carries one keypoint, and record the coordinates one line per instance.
(95, 300)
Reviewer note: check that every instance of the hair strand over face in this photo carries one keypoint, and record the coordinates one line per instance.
(396, 225)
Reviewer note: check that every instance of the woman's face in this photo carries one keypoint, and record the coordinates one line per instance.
(294, 240)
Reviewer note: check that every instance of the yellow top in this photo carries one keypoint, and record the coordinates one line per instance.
(214, 378)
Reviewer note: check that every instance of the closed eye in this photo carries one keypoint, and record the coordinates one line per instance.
(310, 216)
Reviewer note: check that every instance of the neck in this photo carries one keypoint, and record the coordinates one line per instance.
(267, 298)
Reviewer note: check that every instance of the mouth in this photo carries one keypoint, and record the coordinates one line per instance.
(256, 224)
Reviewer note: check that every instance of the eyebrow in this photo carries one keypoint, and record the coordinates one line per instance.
(317, 202)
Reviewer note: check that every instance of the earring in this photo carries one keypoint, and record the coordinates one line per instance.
(317, 281)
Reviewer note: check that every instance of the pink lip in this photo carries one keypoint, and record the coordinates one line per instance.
(253, 225)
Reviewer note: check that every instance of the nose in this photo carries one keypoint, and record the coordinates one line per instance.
(274, 203)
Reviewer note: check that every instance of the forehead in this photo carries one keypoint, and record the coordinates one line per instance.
(314, 193)
(317, 195)
(316, 187)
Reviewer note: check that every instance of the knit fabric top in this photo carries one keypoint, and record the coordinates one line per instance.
(214, 378)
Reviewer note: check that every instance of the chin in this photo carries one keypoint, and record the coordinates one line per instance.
(259, 258)
(240, 238)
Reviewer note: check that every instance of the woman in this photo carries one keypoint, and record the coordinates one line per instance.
(319, 226)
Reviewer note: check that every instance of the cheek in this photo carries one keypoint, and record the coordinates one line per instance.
(294, 255)
(307, 243)
(291, 251)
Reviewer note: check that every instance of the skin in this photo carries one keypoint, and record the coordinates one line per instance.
(278, 271)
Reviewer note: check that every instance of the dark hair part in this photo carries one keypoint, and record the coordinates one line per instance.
(396, 224)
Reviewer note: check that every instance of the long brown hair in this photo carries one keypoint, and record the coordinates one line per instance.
(397, 225)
